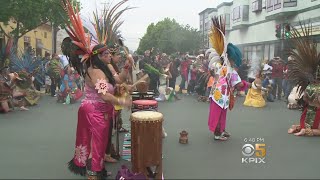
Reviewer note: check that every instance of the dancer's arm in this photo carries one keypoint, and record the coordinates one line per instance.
(122, 76)
(100, 81)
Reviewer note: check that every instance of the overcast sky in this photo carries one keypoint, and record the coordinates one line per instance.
(152, 11)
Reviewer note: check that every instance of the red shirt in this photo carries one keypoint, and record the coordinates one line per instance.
(277, 71)
(184, 68)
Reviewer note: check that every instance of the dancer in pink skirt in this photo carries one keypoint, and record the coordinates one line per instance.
(97, 109)
(223, 58)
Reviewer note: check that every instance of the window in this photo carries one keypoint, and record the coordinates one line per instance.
(277, 4)
(269, 5)
(207, 24)
(289, 3)
(245, 13)
(26, 39)
(27, 46)
(45, 34)
(271, 51)
(266, 52)
(236, 13)
(227, 19)
(39, 47)
(256, 5)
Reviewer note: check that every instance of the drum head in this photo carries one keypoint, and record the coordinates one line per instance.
(145, 102)
(143, 116)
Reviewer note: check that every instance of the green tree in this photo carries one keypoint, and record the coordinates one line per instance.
(29, 14)
(169, 36)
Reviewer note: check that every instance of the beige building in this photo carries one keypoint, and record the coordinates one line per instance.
(39, 39)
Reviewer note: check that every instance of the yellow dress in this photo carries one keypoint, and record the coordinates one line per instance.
(254, 98)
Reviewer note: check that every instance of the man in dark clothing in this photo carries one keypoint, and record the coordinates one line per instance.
(174, 71)
(243, 70)
(154, 79)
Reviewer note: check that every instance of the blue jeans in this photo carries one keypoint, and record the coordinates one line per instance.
(287, 87)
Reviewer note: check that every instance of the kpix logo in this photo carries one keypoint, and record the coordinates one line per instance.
(254, 154)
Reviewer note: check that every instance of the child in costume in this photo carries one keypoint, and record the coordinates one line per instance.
(226, 79)
(254, 97)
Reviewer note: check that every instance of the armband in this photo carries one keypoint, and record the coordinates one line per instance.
(102, 86)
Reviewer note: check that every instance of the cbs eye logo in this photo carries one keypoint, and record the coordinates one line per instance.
(259, 150)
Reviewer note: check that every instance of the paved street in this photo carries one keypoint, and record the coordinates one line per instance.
(40, 142)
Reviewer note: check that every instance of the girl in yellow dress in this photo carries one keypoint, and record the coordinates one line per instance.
(254, 97)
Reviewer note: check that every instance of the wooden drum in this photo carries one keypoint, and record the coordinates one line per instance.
(146, 143)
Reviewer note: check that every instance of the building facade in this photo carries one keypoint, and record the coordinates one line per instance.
(39, 39)
(252, 25)
(205, 24)
(61, 34)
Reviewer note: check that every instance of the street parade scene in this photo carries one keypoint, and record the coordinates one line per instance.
(131, 89)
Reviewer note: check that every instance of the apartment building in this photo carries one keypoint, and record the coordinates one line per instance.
(252, 24)
(205, 24)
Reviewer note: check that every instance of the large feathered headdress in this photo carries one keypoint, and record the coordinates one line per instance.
(304, 63)
(26, 65)
(104, 28)
(77, 32)
(219, 44)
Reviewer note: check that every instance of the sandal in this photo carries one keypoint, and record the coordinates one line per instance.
(221, 138)
(108, 158)
(225, 134)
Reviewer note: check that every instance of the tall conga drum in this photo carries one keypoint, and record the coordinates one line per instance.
(146, 143)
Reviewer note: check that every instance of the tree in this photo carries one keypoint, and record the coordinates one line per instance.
(29, 14)
(168, 36)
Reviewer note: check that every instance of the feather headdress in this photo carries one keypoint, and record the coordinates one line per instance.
(104, 28)
(223, 49)
(217, 35)
(76, 31)
(304, 63)
(27, 66)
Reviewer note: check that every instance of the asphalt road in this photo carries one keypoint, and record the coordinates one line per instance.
(40, 142)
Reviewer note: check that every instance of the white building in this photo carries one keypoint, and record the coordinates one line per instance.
(61, 34)
(205, 24)
(251, 24)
